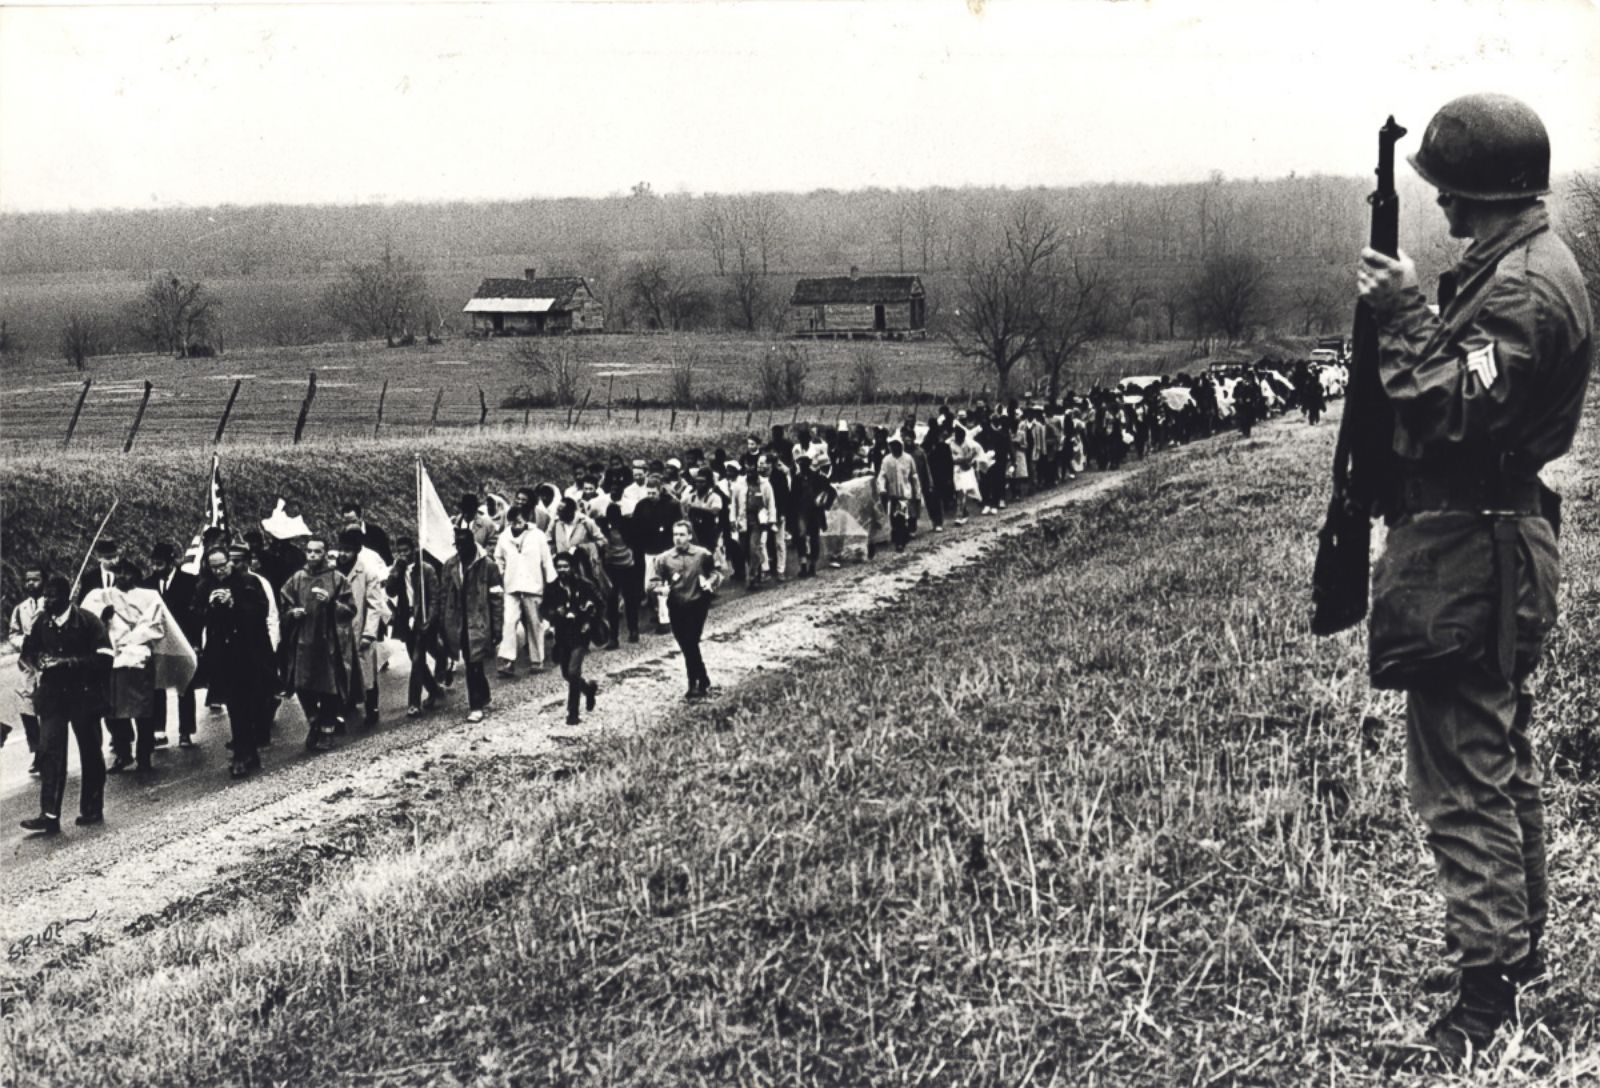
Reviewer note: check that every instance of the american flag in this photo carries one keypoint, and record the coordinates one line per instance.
(216, 516)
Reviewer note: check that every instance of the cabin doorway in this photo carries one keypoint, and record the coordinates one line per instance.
(499, 322)
(878, 322)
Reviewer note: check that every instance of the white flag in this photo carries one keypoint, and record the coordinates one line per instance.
(436, 535)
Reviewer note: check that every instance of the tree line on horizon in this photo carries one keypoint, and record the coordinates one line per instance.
(1224, 258)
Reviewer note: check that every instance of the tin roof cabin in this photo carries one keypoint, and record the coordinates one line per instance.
(886, 307)
(534, 305)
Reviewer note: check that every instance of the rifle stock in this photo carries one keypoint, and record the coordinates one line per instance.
(1363, 460)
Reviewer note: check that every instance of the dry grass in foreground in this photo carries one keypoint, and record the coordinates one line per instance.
(1097, 813)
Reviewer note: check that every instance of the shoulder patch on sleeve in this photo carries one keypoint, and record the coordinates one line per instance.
(1481, 363)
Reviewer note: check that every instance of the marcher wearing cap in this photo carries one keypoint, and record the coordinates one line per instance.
(102, 573)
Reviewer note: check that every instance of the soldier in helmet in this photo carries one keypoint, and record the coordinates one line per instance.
(1485, 394)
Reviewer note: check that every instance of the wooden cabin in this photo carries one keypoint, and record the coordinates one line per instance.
(891, 307)
(534, 305)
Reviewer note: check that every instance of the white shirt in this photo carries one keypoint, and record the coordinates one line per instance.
(524, 561)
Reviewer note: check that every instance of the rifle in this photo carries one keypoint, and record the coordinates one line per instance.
(1364, 463)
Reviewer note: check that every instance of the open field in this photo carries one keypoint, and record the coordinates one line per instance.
(190, 394)
(1093, 810)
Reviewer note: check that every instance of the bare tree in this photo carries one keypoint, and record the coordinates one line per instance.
(995, 323)
(715, 228)
(900, 225)
(668, 298)
(1321, 301)
(172, 314)
(82, 338)
(1075, 302)
(600, 267)
(1227, 293)
(555, 373)
(925, 216)
(750, 297)
(1582, 230)
(386, 297)
(759, 227)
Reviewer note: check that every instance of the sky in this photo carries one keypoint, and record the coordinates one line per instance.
(161, 105)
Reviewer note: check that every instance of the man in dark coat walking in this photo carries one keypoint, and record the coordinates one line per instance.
(473, 603)
(237, 656)
(68, 649)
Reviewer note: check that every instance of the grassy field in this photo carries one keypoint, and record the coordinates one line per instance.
(50, 503)
(1097, 812)
(189, 395)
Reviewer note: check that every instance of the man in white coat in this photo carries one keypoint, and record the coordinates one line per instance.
(526, 567)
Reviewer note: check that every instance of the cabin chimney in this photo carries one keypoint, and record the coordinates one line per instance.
(855, 271)
(530, 273)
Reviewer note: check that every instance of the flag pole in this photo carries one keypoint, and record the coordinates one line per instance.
(421, 553)
(76, 582)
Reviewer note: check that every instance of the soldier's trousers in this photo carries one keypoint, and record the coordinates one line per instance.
(1475, 783)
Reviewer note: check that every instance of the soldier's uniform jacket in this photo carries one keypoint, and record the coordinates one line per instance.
(1485, 394)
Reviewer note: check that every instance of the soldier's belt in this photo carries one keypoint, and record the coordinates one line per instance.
(1470, 494)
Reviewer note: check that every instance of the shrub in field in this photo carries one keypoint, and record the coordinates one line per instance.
(681, 364)
(553, 374)
(386, 298)
(865, 373)
(82, 338)
(781, 375)
(172, 313)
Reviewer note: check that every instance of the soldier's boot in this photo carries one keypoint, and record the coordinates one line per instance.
(1487, 1002)
(1530, 974)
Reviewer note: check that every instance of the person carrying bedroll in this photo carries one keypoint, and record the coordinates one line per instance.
(1485, 394)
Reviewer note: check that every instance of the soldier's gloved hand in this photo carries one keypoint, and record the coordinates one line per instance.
(1381, 280)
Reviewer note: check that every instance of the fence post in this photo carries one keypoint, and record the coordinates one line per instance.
(138, 418)
(433, 420)
(796, 417)
(382, 395)
(638, 403)
(72, 426)
(305, 406)
(577, 418)
(527, 410)
(749, 411)
(611, 382)
(483, 408)
(227, 410)
(673, 421)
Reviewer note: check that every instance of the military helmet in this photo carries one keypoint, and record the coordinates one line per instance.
(1485, 147)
